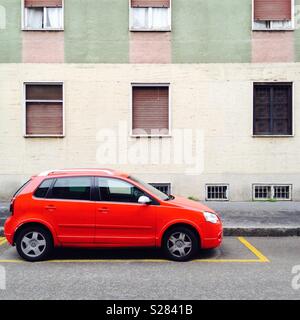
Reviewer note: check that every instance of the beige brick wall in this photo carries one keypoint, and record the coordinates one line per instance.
(213, 98)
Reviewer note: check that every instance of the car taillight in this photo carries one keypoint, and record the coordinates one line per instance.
(11, 207)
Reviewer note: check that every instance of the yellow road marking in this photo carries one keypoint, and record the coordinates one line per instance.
(2, 241)
(256, 252)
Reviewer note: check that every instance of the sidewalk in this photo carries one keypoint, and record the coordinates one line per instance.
(242, 218)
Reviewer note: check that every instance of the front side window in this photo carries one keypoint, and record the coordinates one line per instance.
(116, 190)
(43, 14)
(77, 188)
(44, 109)
(268, 15)
(272, 109)
(150, 15)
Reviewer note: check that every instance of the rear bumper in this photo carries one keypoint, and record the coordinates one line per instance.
(9, 230)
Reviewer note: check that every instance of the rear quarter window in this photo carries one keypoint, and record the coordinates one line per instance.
(42, 190)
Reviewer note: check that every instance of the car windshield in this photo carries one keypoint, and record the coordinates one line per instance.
(162, 196)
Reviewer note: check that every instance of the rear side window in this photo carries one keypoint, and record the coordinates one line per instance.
(78, 188)
(42, 190)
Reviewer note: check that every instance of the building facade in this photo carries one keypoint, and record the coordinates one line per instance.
(199, 97)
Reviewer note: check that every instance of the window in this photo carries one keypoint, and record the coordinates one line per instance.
(272, 192)
(116, 190)
(42, 190)
(150, 110)
(151, 15)
(44, 109)
(217, 192)
(43, 15)
(272, 109)
(78, 188)
(163, 187)
(273, 15)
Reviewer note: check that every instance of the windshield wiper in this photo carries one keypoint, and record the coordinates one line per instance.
(170, 197)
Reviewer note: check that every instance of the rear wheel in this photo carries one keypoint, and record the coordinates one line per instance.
(180, 244)
(34, 243)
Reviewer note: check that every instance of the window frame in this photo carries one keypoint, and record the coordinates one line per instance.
(138, 84)
(25, 135)
(217, 185)
(97, 193)
(48, 196)
(254, 135)
(168, 29)
(23, 19)
(272, 185)
(162, 184)
(292, 28)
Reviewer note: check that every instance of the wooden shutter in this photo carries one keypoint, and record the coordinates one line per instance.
(43, 3)
(150, 3)
(44, 109)
(272, 10)
(272, 109)
(151, 109)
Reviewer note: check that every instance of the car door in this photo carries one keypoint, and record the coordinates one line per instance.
(68, 206)
(120, 219)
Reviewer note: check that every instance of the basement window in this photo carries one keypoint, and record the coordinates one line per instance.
(43, 15)
(163, 187)
(272, 192)
(217, 192)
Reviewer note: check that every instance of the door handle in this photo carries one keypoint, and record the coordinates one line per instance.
(103, 210)
(50, 208)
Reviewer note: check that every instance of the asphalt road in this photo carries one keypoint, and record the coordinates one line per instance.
(258, 268)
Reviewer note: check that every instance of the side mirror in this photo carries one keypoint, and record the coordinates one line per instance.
(144, 200)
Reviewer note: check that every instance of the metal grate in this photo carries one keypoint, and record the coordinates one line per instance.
(272, 192)
(163, 187)
(217, 192)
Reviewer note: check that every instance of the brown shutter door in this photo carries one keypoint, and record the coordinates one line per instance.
(43, 3)
(150, 3)
(272, 10)
(151, 109)
(44, 119)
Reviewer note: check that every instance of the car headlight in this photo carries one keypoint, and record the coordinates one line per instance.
(210, 217)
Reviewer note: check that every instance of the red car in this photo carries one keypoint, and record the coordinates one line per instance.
(106, 208)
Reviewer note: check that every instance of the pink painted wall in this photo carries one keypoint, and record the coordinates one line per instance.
(43, 47)
(273, 46)
(150, 47)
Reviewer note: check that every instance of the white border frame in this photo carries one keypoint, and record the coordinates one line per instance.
(272, 185)
(293, 112)
(131, 29)
(217, 185)
(145, 84)
(23, 28)
(287, 29)
(25, 135)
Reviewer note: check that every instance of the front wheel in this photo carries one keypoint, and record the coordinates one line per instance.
(180, 244)
(34, 244)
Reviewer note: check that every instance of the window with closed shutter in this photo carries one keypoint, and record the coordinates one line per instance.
(272, 14)
(150, 110)
(272, 109)
(44, 109)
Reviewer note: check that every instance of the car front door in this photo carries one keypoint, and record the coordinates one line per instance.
(69, 208)
(120, 219)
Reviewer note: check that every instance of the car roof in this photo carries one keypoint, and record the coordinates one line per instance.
(83, 172)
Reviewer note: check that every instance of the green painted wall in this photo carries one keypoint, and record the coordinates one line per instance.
(10, 36)
(297, 31)
(96, 31)
(205, 31)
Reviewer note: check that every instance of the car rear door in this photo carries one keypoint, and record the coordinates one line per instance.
(69, 208)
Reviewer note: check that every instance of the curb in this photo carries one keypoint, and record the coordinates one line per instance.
(262, 232)
(249, 232)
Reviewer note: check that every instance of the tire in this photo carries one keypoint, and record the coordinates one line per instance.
(34, 244)
(183, 240)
